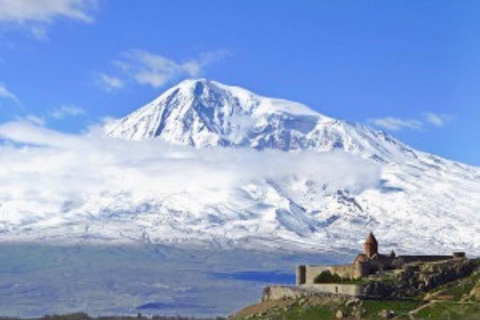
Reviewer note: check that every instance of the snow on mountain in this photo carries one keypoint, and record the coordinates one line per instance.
(317, 184)
(204, 113)
(421, 198)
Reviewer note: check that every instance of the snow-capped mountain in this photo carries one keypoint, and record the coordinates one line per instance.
(267, 173)
(421, 196)
(204, 113)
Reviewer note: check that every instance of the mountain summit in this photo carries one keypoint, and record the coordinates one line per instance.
(203, 113)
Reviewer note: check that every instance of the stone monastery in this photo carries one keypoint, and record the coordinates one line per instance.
(367, 263)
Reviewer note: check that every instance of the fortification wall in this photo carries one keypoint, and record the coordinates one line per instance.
(281, 292)
(409, 259)
(362, 270)
(351, 290)
(312, 271)
(307, 274)
(345, 271)
(300, 275)
(325, 290)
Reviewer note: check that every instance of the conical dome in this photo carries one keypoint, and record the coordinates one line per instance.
(371, 245)
(371, 239)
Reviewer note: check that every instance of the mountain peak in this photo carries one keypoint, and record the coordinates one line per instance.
(198, 86)
(205, 113)
(192, 84)
(201, 112)
(202, 86)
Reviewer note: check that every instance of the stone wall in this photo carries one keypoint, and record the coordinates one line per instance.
(362, 270)
(351, 290)
(311, 272)
(409, 259)
(307, 274)
(281, 292)
(325, 290)
(345, 271)
(300, 275)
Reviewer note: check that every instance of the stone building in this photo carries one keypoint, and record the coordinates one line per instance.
(367, 263)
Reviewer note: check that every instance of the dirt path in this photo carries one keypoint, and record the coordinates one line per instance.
(412, 313)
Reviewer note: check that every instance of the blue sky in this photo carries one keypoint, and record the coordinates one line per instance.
(411, 68)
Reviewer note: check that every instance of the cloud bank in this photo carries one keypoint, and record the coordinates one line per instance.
(43, 172)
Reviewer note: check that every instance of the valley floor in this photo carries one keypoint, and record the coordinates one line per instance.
(36, 280)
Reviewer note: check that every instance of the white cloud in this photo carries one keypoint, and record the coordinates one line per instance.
(65, 111)
(45, 11)
(39, 32)
(36, 120)
(396, 124)
(37, 14)
(7, 94)
(155, 70)
(37, 170)
(110, 83)
(437, 120)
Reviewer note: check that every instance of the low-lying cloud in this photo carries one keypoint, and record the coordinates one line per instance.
(42, 171)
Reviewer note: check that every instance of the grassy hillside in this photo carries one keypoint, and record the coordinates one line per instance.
(459, 299)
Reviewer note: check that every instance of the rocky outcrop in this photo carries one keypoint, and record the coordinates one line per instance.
(378, 289)
(416, 278)
(475, 292)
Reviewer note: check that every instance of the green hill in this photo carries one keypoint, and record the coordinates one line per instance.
(455, 300)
